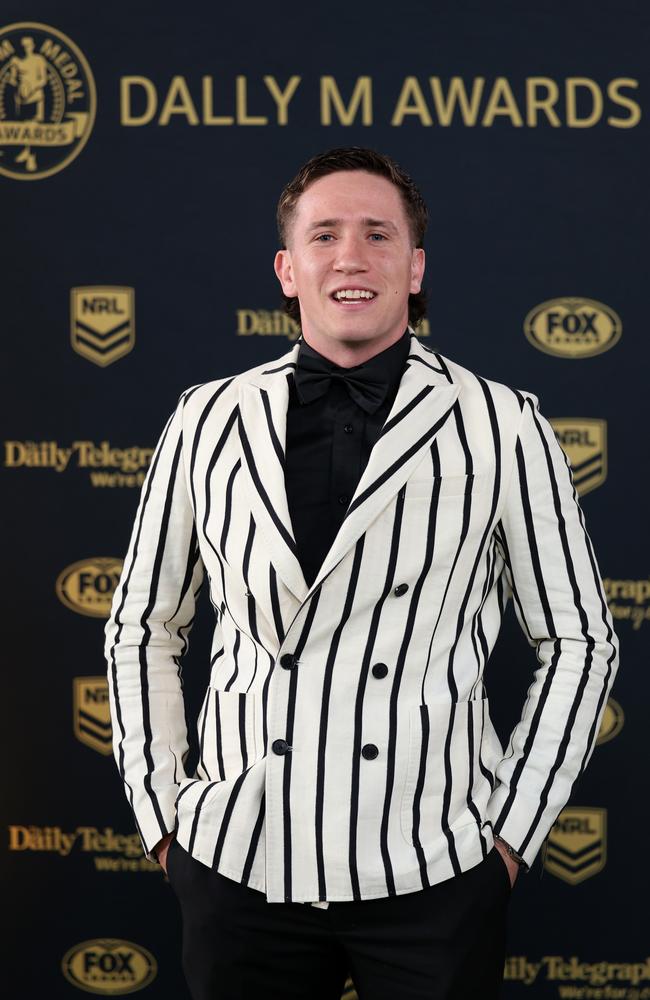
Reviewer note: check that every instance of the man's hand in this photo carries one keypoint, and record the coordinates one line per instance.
(161, 848)
(512, 866)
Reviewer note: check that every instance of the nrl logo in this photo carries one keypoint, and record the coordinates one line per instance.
(577, 844)
(584, 441)
(102, 322)
(47, 101)
(91, 713)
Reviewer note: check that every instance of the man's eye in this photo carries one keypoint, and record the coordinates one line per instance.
(380, 235)
(324, 236)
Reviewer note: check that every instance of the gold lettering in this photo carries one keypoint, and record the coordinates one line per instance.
(282, 97)
(502, 91)
(613, 88)
(126, 115)
(572, 83)
(243, 118)
(536, 102)
(457, 94)
(208, 117)
(411, 102)
(330, 95)
(246, 322)
(185, 106)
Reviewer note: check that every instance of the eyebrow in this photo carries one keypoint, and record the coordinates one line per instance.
(379, 223)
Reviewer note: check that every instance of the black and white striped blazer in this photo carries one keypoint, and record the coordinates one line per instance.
(346, 747)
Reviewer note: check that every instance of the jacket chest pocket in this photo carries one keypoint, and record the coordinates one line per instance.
(228, 733)
(445, 486)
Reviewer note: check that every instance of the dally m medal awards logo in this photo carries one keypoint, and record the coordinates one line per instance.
(47, 101)
(577, 844)
(584, 441)
(92, 714)
(573, 327)
(102, 322)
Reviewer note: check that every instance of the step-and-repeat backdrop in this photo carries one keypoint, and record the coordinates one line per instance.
(143, 147)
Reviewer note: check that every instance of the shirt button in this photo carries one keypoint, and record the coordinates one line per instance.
(348, 428)
(344, 499)
(379, 670)
(289, 661)
(280, 746)
(370, 751)
(400, 589)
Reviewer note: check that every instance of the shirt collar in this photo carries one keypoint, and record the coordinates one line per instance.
(387, 365)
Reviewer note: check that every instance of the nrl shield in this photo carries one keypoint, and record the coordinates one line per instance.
(92, 718)
(102, 322)
(584, 441)
(577, 844)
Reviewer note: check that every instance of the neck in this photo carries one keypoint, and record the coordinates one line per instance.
(348, 353)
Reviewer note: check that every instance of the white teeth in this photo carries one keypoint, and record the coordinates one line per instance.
(353, 293)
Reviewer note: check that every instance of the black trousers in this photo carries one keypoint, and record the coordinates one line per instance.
(445, 942)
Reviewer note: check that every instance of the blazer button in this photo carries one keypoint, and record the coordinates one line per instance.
(288, 661)
(379, 670)
(280, 746)
(400, 589)
(370, 751)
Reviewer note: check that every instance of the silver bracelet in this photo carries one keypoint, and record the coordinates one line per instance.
(510, 851)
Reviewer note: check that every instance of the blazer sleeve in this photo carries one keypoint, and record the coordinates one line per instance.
(147, 634)
(561, 606)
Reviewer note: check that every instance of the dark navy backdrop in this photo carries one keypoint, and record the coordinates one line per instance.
(183, 214)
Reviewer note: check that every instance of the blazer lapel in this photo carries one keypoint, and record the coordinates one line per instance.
(262, 434)
(423, 403)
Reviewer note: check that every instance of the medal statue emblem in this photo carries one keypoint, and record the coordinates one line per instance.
(47, 101)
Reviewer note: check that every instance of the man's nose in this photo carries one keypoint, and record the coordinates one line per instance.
(351, 254)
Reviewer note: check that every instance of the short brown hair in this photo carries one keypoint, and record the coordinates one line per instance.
(356, 158)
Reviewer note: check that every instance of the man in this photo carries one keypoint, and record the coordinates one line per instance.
(363, 508)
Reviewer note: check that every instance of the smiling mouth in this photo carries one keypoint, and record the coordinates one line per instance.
(351, 297)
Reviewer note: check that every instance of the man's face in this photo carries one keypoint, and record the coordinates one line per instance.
(350, 233)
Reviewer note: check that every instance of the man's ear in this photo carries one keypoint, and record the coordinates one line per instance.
(284, 271)
(417, 270)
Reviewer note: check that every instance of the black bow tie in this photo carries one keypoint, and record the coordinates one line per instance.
(314, 375)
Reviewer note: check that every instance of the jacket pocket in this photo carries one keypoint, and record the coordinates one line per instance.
(447, 486)
(443, 772)
(228, 739)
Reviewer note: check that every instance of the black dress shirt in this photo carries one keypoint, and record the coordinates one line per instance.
(328, 444)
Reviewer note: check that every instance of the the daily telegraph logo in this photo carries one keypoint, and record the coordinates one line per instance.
(584, 441)
(87, 586)
(111, 851)
(102, 322)
(91, 713)
(577, 844)
(47, 101)
(278, 323)
(202, 99)
(628, 600)
(109, 966)
(611, 977)
(108, 467)
(573, 327)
